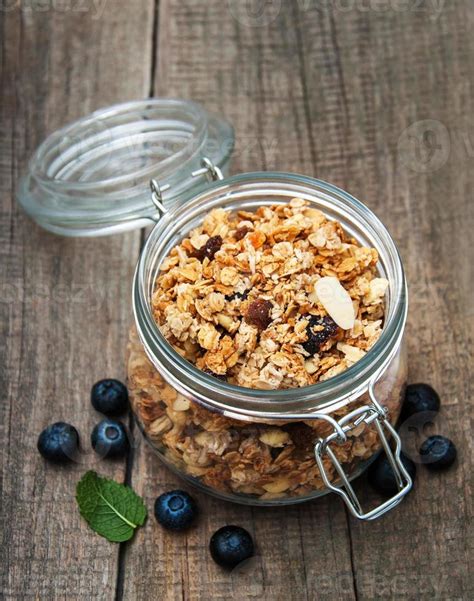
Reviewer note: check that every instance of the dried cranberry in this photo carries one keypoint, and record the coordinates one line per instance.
(221, 377)
(209, 249)
(241, 232)
(258, 313)
(316, 335)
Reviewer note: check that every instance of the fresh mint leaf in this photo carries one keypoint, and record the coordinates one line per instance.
(113, 510)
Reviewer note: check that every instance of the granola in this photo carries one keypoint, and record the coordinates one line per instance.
(279, 298)
(266, 461)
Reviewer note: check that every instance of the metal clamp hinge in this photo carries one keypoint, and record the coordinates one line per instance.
(212, 172)
(367, 414)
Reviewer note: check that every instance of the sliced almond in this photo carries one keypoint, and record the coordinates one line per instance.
(336, 300)
(352, 353)
(181, 404)
(274, 437)
(277, 486)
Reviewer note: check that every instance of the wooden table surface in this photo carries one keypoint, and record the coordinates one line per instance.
(374, 96)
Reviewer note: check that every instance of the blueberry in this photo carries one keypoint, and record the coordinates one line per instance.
(230, 546)
(109, 439)
(109, 397)
(175, 510)
(438, 453)
(59, 442)
(419, 398)
(318, 331)
(382, 478)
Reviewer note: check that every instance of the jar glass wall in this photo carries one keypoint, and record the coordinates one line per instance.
(250, 462)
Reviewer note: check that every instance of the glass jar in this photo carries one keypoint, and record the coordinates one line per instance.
(258, 446)
(250, 446)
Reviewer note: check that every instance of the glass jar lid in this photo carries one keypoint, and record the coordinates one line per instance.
(92, 177)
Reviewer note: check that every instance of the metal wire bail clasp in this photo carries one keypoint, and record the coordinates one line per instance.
(211, 171)
(368, 414)
(157, 195)
(208, 168)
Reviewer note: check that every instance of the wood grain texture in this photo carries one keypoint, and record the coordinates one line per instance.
(62, 327)
(325, 88)
(422, 549)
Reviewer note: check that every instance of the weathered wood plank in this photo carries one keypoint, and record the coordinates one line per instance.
(319, 88)
(65, 303)
(384, 72)
(253, 76)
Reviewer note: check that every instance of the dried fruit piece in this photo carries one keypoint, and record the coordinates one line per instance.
(336, 301)
(237, 295)
(241, 232)
(257, 239)
(318, 330)
(209, 249)
(258, 313)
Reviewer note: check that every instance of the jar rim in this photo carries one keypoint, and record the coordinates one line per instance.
(237, 401)
(42, 171)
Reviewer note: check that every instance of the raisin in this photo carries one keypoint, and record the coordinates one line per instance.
(221, 377)
(316, 335)
(241, 232)
(209, 249)
(258, 313)
(239, 295)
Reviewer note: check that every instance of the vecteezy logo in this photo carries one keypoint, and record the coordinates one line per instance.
(416, 429)
(424, 146)
(254, 13)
